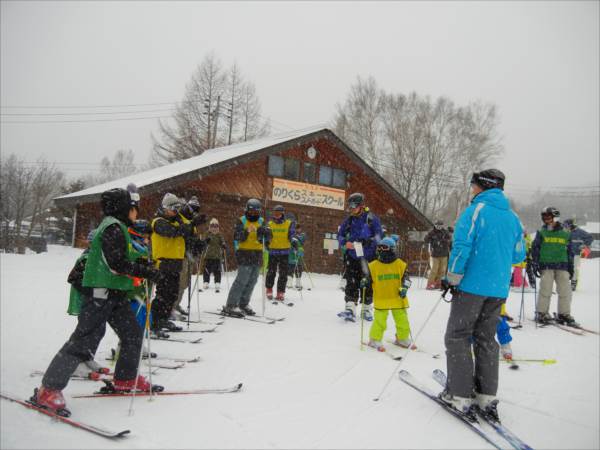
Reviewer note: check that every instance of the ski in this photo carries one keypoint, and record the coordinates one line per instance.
(203, 321)
(508, 435)
(75, 423)
(161, 365)
(236, 388)
(207, 330)
(545, 362)
(386, 352)
(258, 319)
(416, 349)
(92, 376)
(572, 330)
(183, 341)
(407, 378)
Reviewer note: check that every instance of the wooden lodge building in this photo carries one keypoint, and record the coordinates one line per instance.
(310, 172)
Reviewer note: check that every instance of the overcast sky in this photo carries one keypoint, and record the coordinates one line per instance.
(538, 61)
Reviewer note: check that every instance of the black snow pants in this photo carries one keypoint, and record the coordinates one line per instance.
(212, 266)
(167, 290)
(354, 273)
(472, 325)
(91, 326)
(276, 261)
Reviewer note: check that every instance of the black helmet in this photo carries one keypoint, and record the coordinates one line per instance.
(355, 200)
(489, 179)
(570, 223)
(550, 211)
(116, 202)
(134, 194)
(279, 208)
(253, 205)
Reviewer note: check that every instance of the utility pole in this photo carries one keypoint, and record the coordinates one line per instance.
(207, 113)
(230, 117)
(214, 139)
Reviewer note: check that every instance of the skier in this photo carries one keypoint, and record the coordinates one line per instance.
(552, 256)
(107, 273)
(519, 278)
(190, 210)
(250, 238)
(439, 241)
(488, 240)
(76, 294)
(581, 239)
(139, 233)
(359, 233)
(503, 334)
(213, 256)
(296, 258)
(279, 249)
(390, 282)
(170, 231)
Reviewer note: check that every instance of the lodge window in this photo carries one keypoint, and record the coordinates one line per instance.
(275, 166)
(291, 169)
(325, 175)
(310, 173)
(339, 178)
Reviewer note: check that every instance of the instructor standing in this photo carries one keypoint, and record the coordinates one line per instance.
(488, 240)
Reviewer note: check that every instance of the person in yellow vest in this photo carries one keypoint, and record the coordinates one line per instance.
(279, 250)
(170, 231)
(250, 236)
(390, 283)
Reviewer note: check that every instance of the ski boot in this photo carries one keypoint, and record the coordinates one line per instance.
(168, 325)
(50, 399)
(568, 320)
(349, 314)
(543, 318)
(142, 385)
(280, 297)
(367, 313)
(247, 310)
(377, 345)
(463, 405)
(205, 286)
(506, 351)
(217, 287)
(404, 343)
(488, 405)
(157, 333)
(232, 311)
(270, 293)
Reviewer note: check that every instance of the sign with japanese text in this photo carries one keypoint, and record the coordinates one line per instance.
(307, 194)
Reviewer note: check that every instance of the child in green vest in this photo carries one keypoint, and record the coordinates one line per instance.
(552, 257)
(296, 258)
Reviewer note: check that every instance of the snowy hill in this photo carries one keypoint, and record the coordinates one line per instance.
(307, 384)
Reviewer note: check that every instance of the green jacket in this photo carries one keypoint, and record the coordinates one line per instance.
(215, 245)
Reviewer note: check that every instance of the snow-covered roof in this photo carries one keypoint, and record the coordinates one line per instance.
(592, 227)
(206, 159)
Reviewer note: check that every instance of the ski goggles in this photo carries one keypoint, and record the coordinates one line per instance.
(383, 248)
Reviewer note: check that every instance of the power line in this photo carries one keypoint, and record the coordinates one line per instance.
(88, 113)
(87, 120)
(86, 106)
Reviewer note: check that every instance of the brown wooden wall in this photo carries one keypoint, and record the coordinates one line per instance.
(223, 195)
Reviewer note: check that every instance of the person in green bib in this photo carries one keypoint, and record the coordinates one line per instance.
(552, 261)
(109, 269)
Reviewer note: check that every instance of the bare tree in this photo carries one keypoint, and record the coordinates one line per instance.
(46, 184)
(122, 165)
(252, 124)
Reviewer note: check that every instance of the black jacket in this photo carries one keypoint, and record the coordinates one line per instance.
(440, 241)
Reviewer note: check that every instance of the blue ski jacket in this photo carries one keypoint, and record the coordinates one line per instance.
(366, 229)
(488, 240)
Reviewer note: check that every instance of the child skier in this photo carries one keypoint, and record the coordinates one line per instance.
(390, 284)
(296, 258)
(215, 246)
(279, 249)
(109, 265)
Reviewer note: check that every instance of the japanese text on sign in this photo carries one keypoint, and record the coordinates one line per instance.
(307, 194)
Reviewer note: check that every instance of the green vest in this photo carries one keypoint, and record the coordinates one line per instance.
(554, 246)
(97, 273)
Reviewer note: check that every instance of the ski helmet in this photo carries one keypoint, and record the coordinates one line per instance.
(570, 223)
(550, 211)
(253, 205)
(279, 208)
(355, 200)
(171, 202)
(116, 202)
(488, 179)
(386, 250)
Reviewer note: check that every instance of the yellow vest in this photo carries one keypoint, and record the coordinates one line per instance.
(252, 243)
(167, 247)
(387, 281)
(280, 232)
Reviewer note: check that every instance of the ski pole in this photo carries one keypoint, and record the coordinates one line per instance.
(362, 318)
(262, 272)
(189, 280)
(376, 399)
(522, 309)
(225, 270)
(309, 277)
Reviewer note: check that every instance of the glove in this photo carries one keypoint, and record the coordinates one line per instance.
(536, 269)
(446, 286)
(403, 291)
(199, 219)
(263, 232)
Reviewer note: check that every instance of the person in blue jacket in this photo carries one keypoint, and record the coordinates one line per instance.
(361, 228)
(579, 239)
(488, 240)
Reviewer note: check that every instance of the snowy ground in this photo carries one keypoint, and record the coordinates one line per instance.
(307, 384)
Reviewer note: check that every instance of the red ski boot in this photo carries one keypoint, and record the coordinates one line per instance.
(280, 296)
(50, 399)
(142, 385)
(270, 293)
